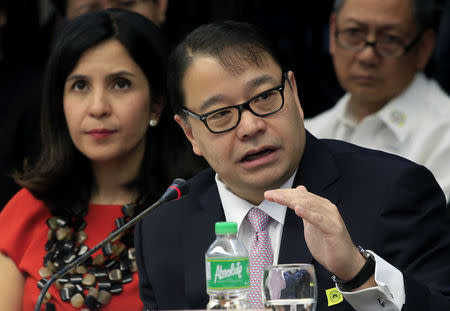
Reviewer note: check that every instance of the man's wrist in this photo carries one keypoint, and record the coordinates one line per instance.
(361, 277)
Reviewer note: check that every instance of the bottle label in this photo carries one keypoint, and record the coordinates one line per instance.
(227, 273)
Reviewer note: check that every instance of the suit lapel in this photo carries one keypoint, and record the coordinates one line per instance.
(318, 173)
(198, 234)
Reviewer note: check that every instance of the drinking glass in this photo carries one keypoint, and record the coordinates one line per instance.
(290, 287)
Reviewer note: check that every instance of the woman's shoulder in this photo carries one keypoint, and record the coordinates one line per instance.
(22, 223)
(23, 202)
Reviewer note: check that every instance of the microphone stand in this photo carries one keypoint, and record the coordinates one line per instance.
(110, 237)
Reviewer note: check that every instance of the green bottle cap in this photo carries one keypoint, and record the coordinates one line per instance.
(226, 227)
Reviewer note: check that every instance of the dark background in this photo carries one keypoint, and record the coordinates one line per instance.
(299, 29)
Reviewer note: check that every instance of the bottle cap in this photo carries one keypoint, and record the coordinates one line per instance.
(225, 227)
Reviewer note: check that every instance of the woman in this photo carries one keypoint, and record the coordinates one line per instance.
(103, 96)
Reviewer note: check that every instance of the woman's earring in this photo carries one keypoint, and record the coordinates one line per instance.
(153, 122)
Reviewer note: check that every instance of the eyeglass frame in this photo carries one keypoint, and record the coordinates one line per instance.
(241, 107)
(373, 44)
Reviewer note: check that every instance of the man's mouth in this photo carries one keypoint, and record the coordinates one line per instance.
(256, 155)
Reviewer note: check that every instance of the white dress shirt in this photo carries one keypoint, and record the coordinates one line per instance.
(414, 125)
(389, 295)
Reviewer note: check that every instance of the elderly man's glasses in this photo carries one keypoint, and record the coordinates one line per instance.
(386, 45)
(227, 118)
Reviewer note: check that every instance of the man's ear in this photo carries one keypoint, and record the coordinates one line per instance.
(293, 85)
(426, 47)
(331, 39)
(187, 129)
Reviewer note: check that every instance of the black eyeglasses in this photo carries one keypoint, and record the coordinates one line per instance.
(227, 118)
(354, 39)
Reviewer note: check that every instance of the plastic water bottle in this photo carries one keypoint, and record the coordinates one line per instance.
(227, 270)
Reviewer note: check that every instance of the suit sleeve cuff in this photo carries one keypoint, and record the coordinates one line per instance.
(389, 294)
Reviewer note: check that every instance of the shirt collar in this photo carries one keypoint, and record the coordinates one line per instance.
(341, 110)
(399, 115)
(236, 208)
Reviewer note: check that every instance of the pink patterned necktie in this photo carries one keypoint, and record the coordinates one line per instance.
(261, 255)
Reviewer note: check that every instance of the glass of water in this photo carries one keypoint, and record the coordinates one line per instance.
(290, 287)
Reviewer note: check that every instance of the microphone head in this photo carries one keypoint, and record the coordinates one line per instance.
(176, 190)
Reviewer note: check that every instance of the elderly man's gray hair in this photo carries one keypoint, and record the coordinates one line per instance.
(425, 12)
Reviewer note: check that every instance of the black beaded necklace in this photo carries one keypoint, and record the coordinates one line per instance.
(93, 283)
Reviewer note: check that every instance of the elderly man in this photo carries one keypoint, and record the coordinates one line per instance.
(379, 50)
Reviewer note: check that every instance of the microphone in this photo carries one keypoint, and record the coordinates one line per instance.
(176, 190)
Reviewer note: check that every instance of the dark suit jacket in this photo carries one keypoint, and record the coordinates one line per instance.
(390, 206)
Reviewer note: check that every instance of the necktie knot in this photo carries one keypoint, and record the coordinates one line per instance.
(258, 219)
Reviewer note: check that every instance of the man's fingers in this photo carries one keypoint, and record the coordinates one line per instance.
(297, 197)
(286, 197)
(313, 209)
(323, 223)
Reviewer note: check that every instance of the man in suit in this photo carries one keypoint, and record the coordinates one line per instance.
(241, 112)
